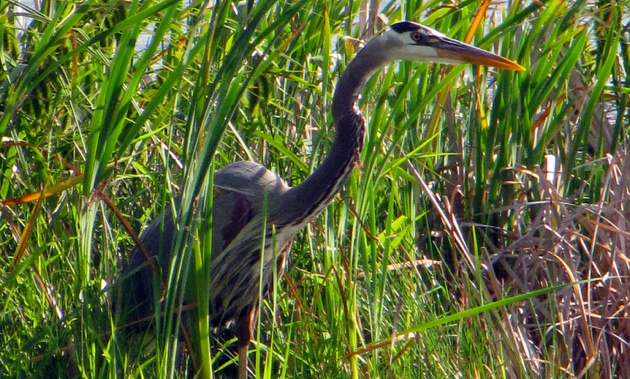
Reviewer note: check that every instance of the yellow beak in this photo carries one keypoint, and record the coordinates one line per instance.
(451, 49)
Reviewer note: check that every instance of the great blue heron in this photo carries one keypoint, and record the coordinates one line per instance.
(241, 188)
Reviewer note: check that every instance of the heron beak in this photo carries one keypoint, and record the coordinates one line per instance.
(454, 50)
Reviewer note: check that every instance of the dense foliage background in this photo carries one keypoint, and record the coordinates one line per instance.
(484, 235)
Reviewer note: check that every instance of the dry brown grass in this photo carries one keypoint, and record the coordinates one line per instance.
(584, 329)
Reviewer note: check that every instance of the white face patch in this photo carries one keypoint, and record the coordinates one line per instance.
(400, 46)
(419, 53)
(390, 37)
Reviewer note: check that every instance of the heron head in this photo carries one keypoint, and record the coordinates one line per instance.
(414, 42)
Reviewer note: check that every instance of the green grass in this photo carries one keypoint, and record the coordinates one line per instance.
(455, 250)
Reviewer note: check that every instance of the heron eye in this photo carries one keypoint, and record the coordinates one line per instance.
(416, 36)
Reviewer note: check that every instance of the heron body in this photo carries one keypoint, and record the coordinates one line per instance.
(242, 188)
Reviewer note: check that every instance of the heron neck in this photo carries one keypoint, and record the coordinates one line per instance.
(358, 71)
(309, 198)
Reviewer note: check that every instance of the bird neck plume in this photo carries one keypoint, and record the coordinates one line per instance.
(318, 190)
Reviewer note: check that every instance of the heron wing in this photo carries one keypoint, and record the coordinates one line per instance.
(231, 212)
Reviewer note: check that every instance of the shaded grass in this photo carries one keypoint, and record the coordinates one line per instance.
(522, 274)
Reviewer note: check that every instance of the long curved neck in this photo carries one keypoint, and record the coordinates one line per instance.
(309, 198)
